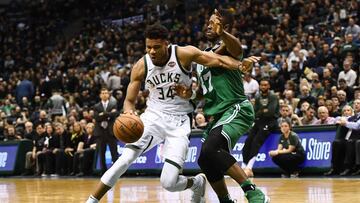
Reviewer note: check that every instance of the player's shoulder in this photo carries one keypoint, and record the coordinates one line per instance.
(139, 67)
(140, 62)
(186, 48)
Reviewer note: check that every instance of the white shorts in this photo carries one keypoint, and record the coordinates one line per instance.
(173, 130)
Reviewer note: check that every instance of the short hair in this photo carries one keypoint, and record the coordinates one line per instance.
(286, 120)
(266, 79)
(156, 31)
(39, 124)
(104, 89)
(323, 108)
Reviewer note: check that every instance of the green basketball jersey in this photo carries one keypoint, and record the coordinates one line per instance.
(221, 88)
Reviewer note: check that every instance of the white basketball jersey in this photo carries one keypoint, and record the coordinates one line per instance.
(159, 81)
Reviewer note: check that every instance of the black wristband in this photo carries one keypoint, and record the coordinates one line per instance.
(248, 187)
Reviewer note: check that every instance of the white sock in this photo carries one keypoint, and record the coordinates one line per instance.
(171, 180)
(92, 199)
(243, 165)
(251, 162)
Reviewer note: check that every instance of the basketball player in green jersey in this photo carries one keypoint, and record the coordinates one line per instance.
(233, 114)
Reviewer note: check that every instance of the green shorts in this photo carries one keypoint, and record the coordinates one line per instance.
(236, 121)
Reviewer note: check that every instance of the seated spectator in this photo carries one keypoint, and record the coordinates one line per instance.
(11, 134)
(77, 136)
(341, 95)
(320, 101)
(349, 90)
(61, 159)
(348, 74)
(31, 161)
(309, 118)
(333, 110)
(42, 118)
(303, 107)
(333, 92)
(51, 143)
(285, 113)
(277, 82)
(306, 96)
(85, 155)
(347, 111)
(317, 89)
(29, 131)
(200, 121)
(290, 98)
(324, 118)
(251, 86)
(290, 154)
(328, 79)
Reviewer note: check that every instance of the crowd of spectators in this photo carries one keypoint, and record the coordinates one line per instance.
(53, 68)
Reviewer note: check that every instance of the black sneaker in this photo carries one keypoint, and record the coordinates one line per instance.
(331, 172)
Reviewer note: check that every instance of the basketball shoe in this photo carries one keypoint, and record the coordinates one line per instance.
(256, 196)
(198, 189)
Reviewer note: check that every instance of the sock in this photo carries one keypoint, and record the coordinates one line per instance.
(225, 199)
(92, 199)
(243, 165)
(247, 185)
(251, 162)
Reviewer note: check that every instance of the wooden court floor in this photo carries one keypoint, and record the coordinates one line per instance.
(60, 190)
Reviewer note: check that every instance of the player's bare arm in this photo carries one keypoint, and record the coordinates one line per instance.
(230, 43)
(186, 92)
(189, 54)
(137, 76)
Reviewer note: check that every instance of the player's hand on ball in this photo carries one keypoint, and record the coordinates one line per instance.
(130, 112)
(248, 63)
(182, 91)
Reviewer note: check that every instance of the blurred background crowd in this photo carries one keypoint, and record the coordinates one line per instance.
(57, 54)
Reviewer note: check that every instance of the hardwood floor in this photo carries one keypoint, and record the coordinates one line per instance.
(59, 190)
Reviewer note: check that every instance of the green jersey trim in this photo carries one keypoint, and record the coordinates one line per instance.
(228, 139)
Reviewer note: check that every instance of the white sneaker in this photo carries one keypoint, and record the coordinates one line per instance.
(198, 195)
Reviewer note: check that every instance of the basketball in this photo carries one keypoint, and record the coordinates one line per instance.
(128, 128)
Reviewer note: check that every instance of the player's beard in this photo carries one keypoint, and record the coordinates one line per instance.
(212, 36)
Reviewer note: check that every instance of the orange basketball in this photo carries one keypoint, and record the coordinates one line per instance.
(128, 128)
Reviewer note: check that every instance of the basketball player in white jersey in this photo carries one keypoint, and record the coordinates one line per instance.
(166, 117)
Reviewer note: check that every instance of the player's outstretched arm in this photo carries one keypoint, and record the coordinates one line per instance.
(137, 76)
(190, 54)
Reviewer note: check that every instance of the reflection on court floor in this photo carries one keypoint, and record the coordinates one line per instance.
(55, 190)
